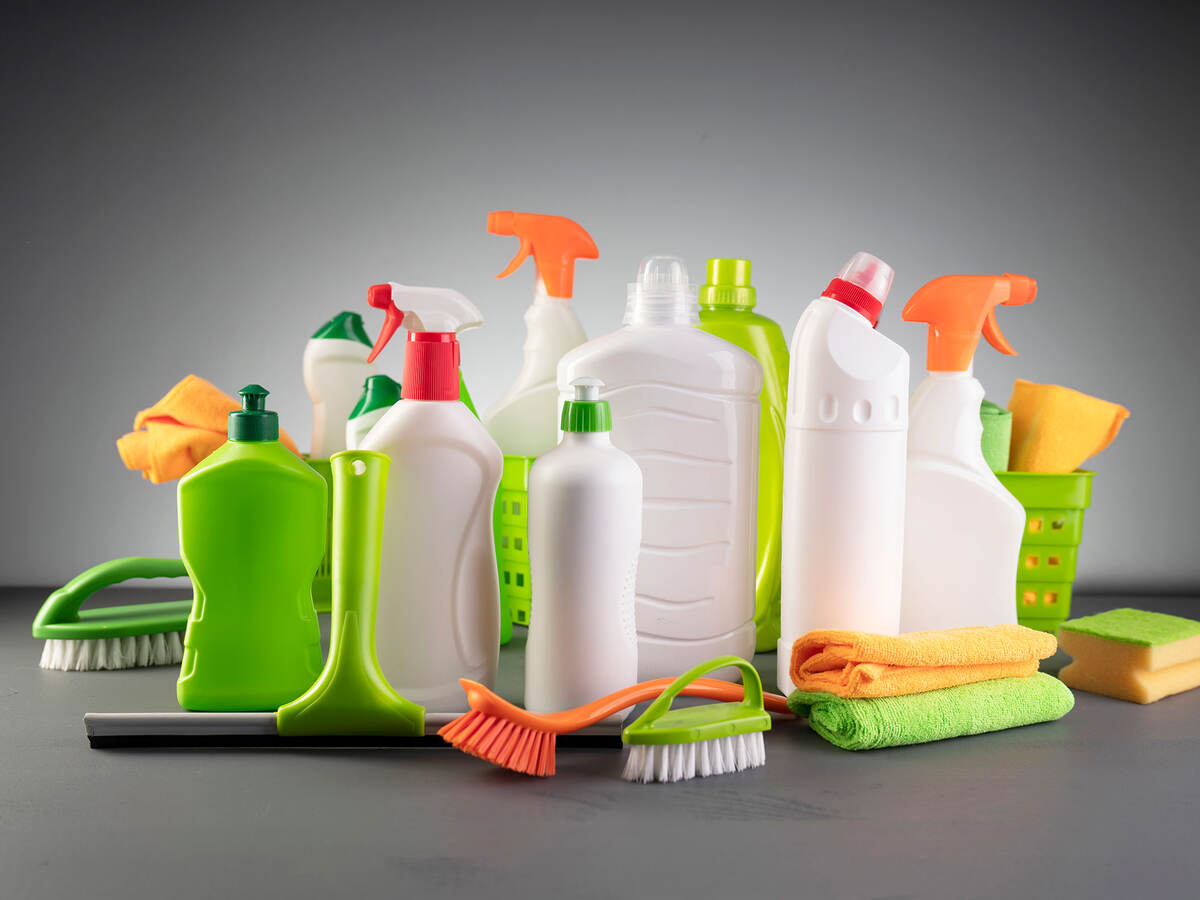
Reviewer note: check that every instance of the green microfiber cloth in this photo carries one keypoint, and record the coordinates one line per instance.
(868, 724)
(1135, 626)
(997, 435)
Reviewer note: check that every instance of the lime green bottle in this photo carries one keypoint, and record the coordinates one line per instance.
(727, 310)
(251, 534)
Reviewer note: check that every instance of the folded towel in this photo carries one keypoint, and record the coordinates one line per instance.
(997, 435)
(1056, 429)
(868, 724)
(859, 664)
(182, 428)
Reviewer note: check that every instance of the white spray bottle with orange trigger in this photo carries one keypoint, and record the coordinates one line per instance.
(439, 602)
(524, 421)
(962, 529)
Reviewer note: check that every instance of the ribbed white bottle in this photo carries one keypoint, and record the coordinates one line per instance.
(685, 407)
(585, 527)
(843, 477)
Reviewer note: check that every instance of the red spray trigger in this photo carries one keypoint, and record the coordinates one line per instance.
(380, 297)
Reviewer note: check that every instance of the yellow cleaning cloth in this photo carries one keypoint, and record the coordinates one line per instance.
(858, 664)
(1055, 429)
(182, 428)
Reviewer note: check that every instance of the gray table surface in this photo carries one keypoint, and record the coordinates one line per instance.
(1102, 803)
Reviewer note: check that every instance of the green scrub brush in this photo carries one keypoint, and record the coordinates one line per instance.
(714, 739)
(116, 637)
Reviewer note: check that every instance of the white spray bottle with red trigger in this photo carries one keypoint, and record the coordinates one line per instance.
(439, 601)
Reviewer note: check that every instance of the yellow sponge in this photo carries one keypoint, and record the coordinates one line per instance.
(1054, 429)
(1131, 654)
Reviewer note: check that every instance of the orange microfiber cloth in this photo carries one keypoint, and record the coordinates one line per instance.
(182, 428)
(1054, 429)
(858, 664)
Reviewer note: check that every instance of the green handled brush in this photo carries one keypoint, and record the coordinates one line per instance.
(117, 637)
(714, 739)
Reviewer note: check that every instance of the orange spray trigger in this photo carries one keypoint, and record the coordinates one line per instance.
(380, 297)
(958, 308)
(554, 241)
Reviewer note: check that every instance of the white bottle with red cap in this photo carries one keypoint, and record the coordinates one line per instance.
(844, 458)
(439, 601)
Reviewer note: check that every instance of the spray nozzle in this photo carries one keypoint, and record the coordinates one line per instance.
(420, 309)
(959, 308)
(554, 241)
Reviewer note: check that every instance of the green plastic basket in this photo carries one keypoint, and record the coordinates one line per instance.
(322, 587)
(1054, 506)
(510, 523)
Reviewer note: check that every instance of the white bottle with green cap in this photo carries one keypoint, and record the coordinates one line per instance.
(379, 394)
(585, 529)
(335, 367)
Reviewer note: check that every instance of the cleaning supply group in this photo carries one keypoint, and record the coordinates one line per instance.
(671, 497)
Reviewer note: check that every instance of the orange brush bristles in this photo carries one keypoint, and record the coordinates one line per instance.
(499, 741)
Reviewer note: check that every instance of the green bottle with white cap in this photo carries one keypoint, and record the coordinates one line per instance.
(251, 535)
(727, 301)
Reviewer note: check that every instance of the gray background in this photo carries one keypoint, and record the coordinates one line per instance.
(195, 188)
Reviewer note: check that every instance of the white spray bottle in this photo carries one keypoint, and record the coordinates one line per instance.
(962, 528)
(335, 367)
(843, 474)
(439, 602)
(585, 527)
(524, 421)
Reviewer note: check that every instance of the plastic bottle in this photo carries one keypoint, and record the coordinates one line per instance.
(439, 604)
(335, 366)
(251, 535)
(524, 420)
(843, 471)
(727, 310)
(378, 395)
(685, 407)
(585, 526)
(963, 529)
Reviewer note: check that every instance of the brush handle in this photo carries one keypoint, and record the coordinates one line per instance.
(752, 694)
(484, 700)
(59, 616)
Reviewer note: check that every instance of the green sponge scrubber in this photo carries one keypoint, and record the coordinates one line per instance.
(1132, 654)
(869, 724)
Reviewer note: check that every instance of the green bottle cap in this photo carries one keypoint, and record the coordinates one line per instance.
(345, 326)
(728, 284)
(379, 392)
(253, 422)
(587, 412)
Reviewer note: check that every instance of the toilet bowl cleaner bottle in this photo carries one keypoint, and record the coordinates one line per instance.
(335, 366)
(439, 604)
(727, 300)
(843, 476)
(378, 396)
(524, 421)
(585, 527)
(962, 528)
(251, 534)
(685, 407)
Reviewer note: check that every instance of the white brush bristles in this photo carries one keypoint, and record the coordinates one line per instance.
(678, 762)
(134, 652)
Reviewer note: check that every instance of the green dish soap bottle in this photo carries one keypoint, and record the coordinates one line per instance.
(251, 534)
(727, 310)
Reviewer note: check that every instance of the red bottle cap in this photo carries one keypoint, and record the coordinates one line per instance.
(431, 362)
